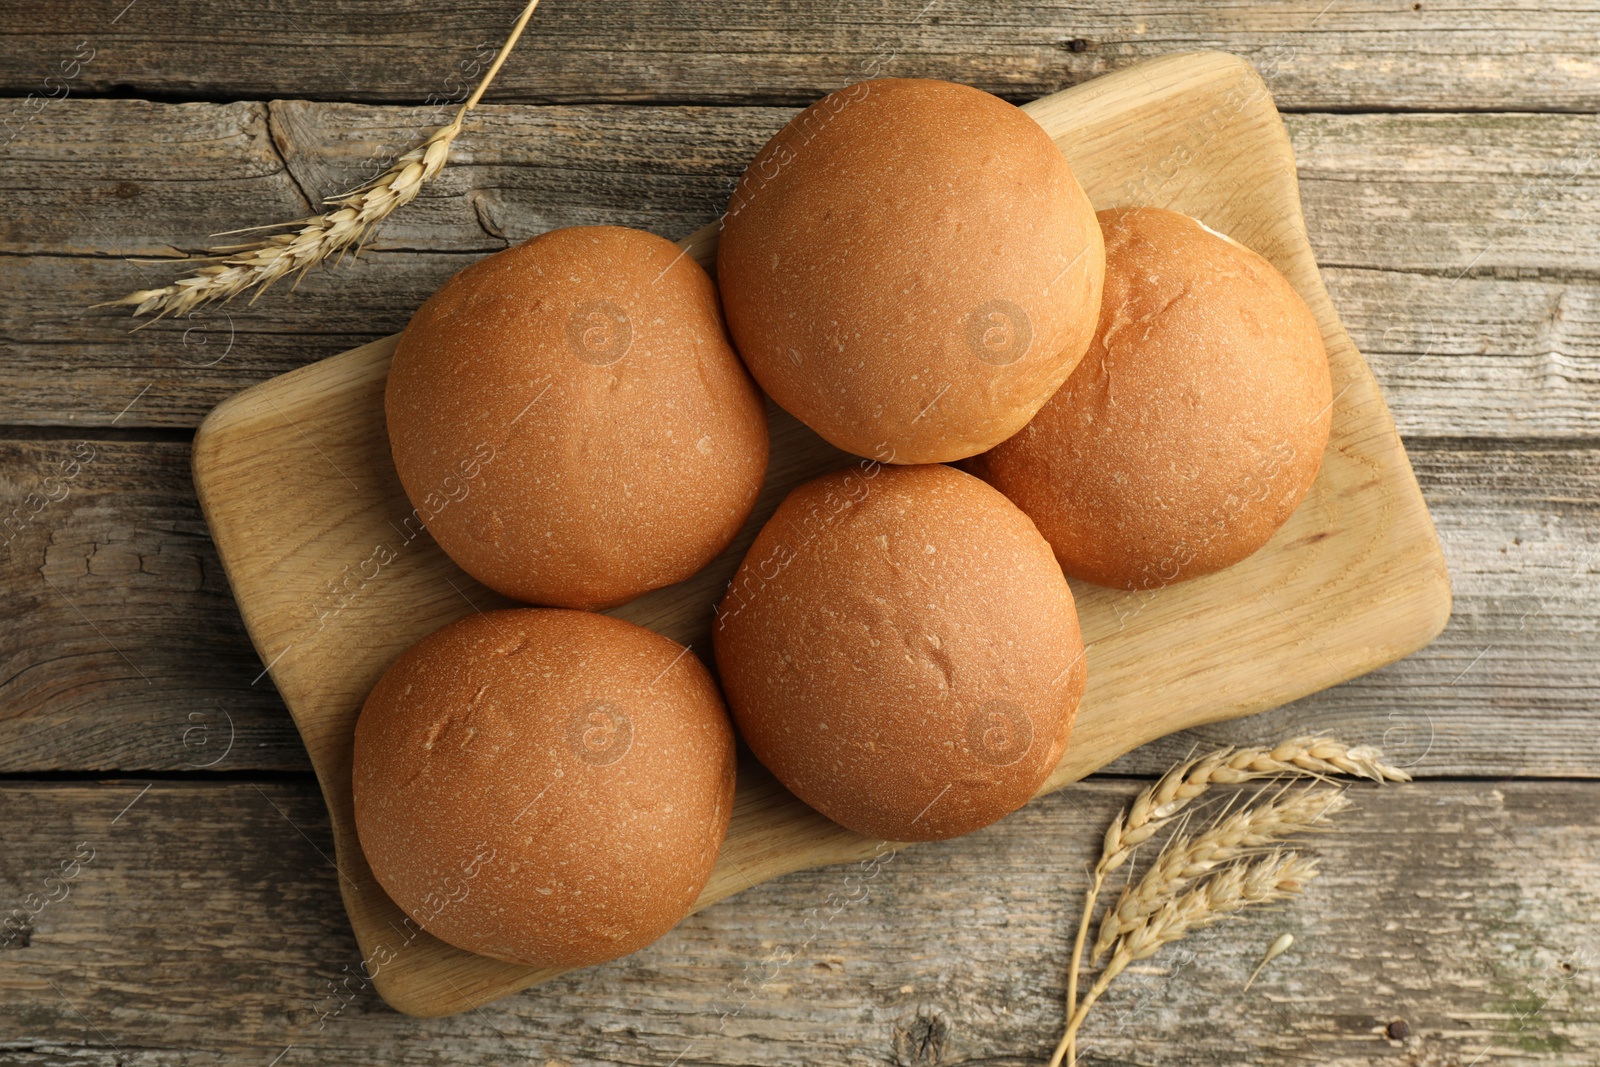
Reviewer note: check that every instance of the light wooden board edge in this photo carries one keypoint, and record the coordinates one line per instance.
(1415, 600)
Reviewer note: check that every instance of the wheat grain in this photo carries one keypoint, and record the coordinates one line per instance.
(1274, 950)
(235, 269)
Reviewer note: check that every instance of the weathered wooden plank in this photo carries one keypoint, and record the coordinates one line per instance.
(207, 928)
(1470, 357)
(121, 645)
(133, 178)
(1451, 194)
(1515, 677)
(1511, 687)
(1463, 251)
(1438, 54)
(130, 178)
(1479, 357)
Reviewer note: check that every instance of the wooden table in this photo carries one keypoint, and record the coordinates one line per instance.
(1448, 160)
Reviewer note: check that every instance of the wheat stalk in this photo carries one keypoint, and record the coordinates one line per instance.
(1277, 875)
(1236, 836)
(1159, 804)
(1273, 877)
(234, 269)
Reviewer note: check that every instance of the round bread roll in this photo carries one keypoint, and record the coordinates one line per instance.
(1195, 425)
(910, 268)
(900, 649)
(570, 422)
(542, 786)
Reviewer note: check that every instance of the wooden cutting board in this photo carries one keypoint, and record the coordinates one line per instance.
(309, 518)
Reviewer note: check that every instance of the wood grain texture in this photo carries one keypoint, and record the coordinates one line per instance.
(1512, 686)
(294, 477)
(1521, 54)
(1462, 251)
(205, 931)
(1507, 351)
(121, 645)
(1517, 671)
(208, 939)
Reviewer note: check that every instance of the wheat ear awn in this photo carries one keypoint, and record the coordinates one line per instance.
(235, 269)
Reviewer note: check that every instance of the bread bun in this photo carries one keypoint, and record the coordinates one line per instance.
(910, 268)
(545, 787)
(901, 650)
(570, 422)
(1195, 425)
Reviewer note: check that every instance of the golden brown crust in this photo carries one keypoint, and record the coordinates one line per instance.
(542, 786)
(899, 648)
(1195, 425)
(911, 269)
(570, 421)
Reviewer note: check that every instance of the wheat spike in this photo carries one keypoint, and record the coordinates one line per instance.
(1236, 836)
(1159, 804)
(235, 269)
(1154, 807)
(1273, 877)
